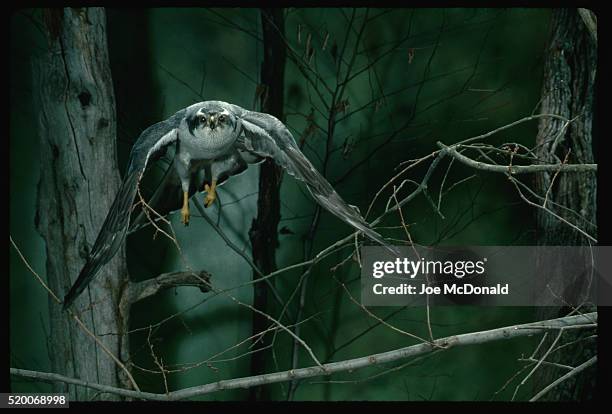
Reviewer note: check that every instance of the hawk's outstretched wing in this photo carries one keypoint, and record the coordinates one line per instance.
(151, 145)
(266, 136)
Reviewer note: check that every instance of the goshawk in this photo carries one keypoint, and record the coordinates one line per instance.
(214, 140)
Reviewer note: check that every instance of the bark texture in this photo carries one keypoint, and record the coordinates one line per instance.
(79, 178)
(568, 90)
(263, 232)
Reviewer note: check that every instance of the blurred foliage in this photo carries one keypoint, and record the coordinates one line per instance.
(436, 75)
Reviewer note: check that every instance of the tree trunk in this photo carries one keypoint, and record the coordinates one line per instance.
(568, 90)
(79, 178)
(263, 232)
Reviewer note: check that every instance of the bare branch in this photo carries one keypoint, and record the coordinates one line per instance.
(516, 169)
(473, 338)
(141, 290)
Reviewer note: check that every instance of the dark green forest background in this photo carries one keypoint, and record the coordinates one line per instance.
(450, 74)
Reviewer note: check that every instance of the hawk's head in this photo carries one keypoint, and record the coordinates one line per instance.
(211, 120)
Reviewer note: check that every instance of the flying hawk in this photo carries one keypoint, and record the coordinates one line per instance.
(214, 140)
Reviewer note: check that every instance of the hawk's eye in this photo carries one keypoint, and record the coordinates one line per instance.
(222, 118)
(202, 119)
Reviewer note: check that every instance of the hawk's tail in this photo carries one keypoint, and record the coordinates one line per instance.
(109, 238)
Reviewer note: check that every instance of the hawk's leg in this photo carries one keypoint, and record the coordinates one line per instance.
(183, 170)
(219, 171)
(211, 193)
(185, 209)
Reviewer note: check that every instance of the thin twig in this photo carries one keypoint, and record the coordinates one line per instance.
(76, 318)
(565, 377)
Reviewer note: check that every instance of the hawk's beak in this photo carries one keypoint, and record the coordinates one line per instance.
(213, 122)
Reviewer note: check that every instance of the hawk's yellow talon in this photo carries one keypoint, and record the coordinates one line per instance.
(185, 209)
(185, 216)
(211, 193)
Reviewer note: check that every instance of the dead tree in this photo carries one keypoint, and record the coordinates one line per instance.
(569, 91)
(263, 232)
(79, 178)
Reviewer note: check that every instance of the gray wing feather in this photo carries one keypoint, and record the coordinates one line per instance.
(150, 146)
(266, 136)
